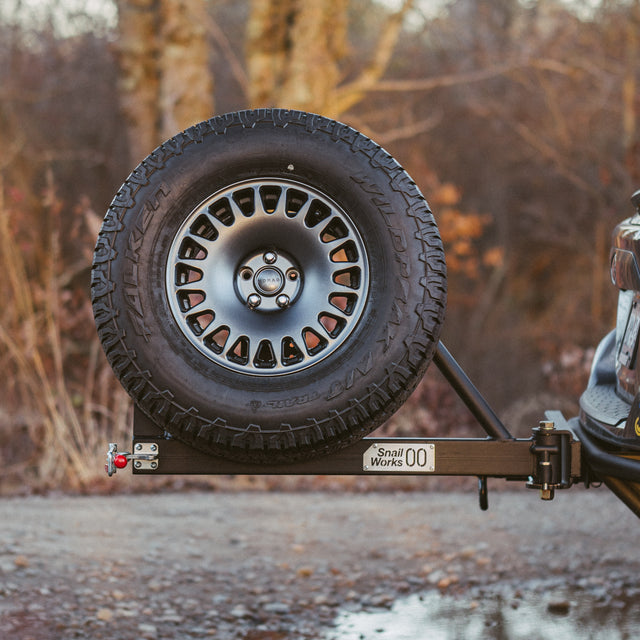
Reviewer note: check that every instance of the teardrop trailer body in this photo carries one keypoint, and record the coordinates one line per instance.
(269, 287)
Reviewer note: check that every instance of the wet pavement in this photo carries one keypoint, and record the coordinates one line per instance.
(529, 615)
(319, 565)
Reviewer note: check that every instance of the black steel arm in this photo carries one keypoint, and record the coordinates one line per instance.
(468, 393)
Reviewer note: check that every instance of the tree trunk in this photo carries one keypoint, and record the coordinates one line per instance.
(267, 48)
(138, 80)
(165, 81)
(318, 44)
(293, 52)
(186, 83)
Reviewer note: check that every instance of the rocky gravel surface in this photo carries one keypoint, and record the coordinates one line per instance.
(275, 566)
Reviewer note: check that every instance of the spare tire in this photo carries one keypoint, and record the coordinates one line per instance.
(269, 285)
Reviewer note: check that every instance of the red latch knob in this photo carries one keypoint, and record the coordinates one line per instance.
(120, 461)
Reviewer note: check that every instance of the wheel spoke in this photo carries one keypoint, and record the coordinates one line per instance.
(239, 352)
(291, 353)
(217, 339)
(343, 301)
(334, 231)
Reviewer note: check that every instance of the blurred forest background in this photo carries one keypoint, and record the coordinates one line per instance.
(517, 118)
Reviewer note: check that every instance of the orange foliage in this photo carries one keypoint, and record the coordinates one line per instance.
(461, 232)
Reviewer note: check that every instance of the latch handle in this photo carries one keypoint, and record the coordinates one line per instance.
(143, 453)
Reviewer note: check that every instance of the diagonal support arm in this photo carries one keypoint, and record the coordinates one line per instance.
(468, 393)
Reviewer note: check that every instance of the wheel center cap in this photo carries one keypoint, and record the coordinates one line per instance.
(269, 281)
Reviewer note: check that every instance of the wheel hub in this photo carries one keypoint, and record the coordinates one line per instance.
(268, 281)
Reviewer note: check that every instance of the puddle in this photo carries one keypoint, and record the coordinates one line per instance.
(432, 616)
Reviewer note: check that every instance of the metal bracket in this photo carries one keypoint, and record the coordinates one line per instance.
(552, 450)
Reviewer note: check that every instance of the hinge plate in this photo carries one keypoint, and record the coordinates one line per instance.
(145, 456)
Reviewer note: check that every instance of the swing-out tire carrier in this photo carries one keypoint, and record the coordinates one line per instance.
(549, 459)
(558, 454)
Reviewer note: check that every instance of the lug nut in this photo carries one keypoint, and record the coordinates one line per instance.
(270, 257)
(254, 301)
(283, 301)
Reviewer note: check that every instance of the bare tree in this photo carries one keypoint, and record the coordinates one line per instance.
(294, 50)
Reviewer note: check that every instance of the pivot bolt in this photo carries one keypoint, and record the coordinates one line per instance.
(270, 257)
(253, 301)
(283, 301)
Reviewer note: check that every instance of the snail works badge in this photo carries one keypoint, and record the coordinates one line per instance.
(400, 457)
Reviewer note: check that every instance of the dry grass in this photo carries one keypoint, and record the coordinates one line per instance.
(59, 403)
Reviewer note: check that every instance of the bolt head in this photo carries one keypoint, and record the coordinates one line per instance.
(283, 301)
(270, 257)
(253, 301)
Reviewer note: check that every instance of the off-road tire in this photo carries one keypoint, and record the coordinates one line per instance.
(274, 204)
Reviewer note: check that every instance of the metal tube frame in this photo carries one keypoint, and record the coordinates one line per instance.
(549, 459)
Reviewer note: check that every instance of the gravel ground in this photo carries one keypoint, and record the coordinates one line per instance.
(275, 566)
